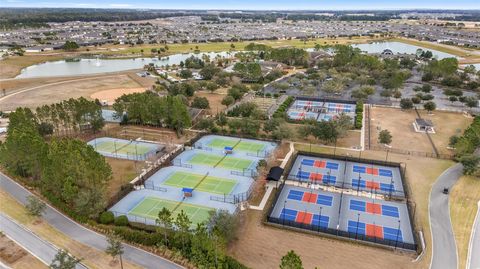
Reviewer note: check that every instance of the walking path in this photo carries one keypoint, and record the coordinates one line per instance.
(444, 249)
(83, 235)
(41, 249)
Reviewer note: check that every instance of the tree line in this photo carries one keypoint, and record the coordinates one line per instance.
(151, 109)
(69, 173)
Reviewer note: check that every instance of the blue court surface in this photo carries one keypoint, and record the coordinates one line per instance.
(166, 184)
(351, 175)
(314, 210)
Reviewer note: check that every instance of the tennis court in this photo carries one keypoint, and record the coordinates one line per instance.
(124, 149)
(150, 206)
(226, 162)
(205, 183)
(236, 144)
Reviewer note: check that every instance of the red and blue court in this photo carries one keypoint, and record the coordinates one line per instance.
(356, 217)
(319, 110)
(317, 170)
(374, 178)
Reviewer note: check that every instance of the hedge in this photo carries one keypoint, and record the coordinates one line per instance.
(359, 115)
(107, 217)
(121, 220)
(280, 112)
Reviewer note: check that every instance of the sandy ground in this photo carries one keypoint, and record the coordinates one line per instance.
(110, 95)
(214, 100)
(15, 256)
(260, 246)
(399, 123)
(55, 92)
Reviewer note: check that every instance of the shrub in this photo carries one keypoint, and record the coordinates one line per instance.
(121, 220)
(107, 217)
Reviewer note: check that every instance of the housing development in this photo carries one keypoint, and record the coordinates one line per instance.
(238, 138)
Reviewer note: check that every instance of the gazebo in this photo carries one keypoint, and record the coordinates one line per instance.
(423, 126)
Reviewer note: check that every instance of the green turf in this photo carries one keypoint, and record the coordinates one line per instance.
(108, 146)
(228, 162)
(150, 206)
(130, 149)
(242, 146)
(209, 184)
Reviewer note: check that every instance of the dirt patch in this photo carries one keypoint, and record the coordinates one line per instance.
(215, 101)
(123, 171)
(16, 257)
(55, 92)
(446, 125)
(400, 124)
(109, 96)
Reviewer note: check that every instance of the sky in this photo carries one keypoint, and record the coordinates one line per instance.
(251, 4)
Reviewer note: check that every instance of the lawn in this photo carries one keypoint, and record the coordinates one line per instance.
(463, 209)
(123, 171)
(150, 206)
(201, 183)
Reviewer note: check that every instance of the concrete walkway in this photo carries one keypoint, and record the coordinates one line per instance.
(83, 235)
(41, 249)
(444, 249)
(473, 258)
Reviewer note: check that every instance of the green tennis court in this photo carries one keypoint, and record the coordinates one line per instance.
(242, 146)
(133, 148)
(150, 206)
(209, 184)
(109, 146)
(228, 162)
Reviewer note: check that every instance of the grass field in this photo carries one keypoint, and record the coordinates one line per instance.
(209, 184)
(227, 162)
(242, 145)
(463, 209)
(150, 206)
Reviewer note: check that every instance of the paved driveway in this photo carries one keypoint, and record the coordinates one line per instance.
(444, 249)
(84, 235)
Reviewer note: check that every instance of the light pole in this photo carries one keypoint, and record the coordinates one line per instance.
(320, 219)
(398, 232)
(358, 222)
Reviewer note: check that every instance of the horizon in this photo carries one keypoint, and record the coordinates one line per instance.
(252, 5)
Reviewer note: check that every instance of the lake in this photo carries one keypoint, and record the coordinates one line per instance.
(399, 47)
(95, 66)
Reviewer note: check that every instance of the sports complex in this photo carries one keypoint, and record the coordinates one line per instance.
(125, 149)
(217, 177)
(319, 110)
(345, 198)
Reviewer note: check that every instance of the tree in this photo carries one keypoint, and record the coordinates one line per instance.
(165, 220)
(470, 164)
(228, 100)
(430, 106)
(385, 137)
(406, 103)
(114, 248)
(271, 125)
(291, 261)
(45, 128)
(200, 102)
(63, 260)
(471, 102)
(208, 71)
(35, 207)
(185, 73)
(70, 45)
(226, 224)
(183, 223)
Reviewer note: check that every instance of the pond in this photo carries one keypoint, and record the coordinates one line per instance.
(95, 66)
(399, 47)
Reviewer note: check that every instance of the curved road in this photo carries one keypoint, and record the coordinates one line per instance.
(474, 247)
(43, 250)
(444, 249)
(84, 235)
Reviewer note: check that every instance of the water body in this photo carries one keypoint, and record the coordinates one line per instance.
(95, 66)
(399, 47)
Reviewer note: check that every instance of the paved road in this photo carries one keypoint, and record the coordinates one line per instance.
(84, 235)
(474, 247)
(41, 249)
(444, 249)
